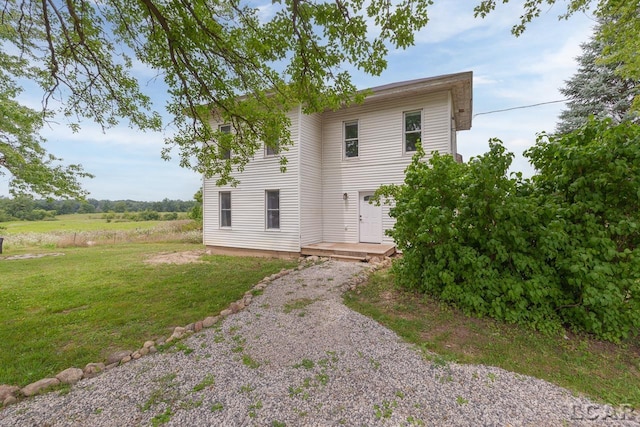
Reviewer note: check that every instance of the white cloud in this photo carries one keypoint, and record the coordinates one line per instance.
(91, 133)
(450, 19)
(484, 80)
(267, 11)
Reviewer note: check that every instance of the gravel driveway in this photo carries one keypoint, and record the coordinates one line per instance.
(296, 357)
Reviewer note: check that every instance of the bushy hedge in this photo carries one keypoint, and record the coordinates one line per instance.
(557, 250)
(145, 215)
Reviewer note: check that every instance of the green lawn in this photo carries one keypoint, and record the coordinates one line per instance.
(58, 312)
(601, 370)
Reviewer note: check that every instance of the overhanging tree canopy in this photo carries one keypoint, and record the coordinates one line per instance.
(84, 53)
(22, 154)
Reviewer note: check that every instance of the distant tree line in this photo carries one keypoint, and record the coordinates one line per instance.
(29, 209)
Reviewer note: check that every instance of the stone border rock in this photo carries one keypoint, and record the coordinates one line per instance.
(10, 394)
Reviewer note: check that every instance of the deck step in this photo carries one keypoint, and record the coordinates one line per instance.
(348, 258)
(348, 251)
(332, 252)
(390, 251)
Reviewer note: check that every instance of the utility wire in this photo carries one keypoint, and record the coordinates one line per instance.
(521, 107)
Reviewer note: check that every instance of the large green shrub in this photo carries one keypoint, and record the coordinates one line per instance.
(592, 179)
(559, 249)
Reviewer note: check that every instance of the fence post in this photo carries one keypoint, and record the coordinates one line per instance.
(1, 240)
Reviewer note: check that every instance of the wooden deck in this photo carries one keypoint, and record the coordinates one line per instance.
(349, 251)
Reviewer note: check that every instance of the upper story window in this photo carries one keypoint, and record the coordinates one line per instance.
(272, 150)
(351, 139)
(225, 153)
(225, 209)
(412, 130)
(273, 209)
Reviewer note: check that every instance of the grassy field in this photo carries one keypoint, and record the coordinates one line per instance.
(600, 370)
(80, 230)
(75, 223)
(58, 312)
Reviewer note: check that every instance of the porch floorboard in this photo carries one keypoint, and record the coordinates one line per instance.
(353, 251)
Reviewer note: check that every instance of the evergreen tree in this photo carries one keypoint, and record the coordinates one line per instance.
(597, 89)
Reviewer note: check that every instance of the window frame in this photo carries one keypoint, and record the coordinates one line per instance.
(275, 151)
(225, 154)
(346, 140)
(222, 209)
(406, 132)
(268, 209)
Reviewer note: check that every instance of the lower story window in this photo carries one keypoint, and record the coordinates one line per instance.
(273, 209)
(225, 209)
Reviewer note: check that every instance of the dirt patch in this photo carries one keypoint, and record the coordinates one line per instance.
(30, 256)
(388, 296)
(187, 257)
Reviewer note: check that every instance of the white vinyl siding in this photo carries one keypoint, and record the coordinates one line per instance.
(453, 132)
(249, 214)
(310, 179)
(381, 158)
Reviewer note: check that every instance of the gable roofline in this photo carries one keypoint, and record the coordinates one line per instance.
(460, 85)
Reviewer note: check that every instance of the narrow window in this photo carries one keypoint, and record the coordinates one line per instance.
(412, 130)
(351, 139)
(273, 209)
(225, 152)
(225, 209)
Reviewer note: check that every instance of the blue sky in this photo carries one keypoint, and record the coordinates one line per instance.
(508, 72)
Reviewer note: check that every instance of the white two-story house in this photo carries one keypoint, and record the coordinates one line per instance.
(338, 159)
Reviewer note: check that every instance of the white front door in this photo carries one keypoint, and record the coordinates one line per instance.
(370, 220)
